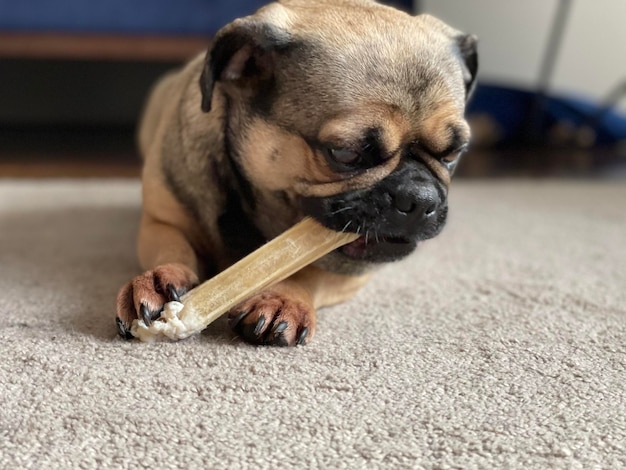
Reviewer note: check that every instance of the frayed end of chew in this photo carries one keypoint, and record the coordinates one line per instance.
(168, 326)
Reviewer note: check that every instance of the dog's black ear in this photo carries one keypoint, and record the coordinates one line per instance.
(243, 53)
(468, 49)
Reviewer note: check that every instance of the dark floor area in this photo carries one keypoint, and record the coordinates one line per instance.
(71, 152)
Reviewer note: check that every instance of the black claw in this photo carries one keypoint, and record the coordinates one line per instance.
(173, 294)
(276, 337)
(259, 326)
(302, 338)
(281, 327)
(145, 314)
(122, 331)
(233, 321)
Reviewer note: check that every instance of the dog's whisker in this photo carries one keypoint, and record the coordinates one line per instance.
(376, 235)
(343, 209)
(346, 226)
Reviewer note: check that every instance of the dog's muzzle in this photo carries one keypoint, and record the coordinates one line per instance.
(406, 207)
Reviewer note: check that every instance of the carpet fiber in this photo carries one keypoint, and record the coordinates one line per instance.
(500, 344)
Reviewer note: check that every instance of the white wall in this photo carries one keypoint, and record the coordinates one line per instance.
(513, 36)
(594, 57)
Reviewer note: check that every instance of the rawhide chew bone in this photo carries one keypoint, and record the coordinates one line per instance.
(278, 259)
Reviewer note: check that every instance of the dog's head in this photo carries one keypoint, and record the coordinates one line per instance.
(346, 110)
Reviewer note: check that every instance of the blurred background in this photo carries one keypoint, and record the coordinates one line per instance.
(551, 100)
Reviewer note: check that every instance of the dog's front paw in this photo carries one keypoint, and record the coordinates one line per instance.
(144, 296)
(274, 318)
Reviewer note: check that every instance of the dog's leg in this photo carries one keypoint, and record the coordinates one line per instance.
(171, 269)
(285, 314)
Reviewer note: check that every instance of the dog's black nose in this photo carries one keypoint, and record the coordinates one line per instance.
(417, 203)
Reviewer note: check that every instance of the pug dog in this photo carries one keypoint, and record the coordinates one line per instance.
(347, 111)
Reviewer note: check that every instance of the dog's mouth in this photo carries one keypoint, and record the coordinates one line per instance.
(379, 248)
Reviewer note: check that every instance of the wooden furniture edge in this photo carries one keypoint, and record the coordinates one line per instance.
(85, 46)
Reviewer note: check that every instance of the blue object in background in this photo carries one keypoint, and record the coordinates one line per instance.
(511, 108)
(179, 17)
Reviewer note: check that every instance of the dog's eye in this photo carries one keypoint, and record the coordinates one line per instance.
(344, 156)
(451, 159)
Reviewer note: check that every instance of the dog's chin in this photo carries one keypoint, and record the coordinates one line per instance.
(379, 250)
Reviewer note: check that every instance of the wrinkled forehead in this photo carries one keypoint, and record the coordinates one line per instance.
(408, 69)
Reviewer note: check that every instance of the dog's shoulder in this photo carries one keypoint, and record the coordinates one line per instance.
(184, 172)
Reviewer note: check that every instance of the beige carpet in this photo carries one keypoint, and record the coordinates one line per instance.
(501, 344)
